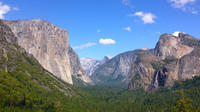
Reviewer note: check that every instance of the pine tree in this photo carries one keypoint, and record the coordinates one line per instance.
(183, 104)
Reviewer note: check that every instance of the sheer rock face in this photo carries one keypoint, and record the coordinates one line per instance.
(142, 72)
(185, 68)
(49, 45)
(170, 45)
(174, 58)
(90, 65)
(6, 33)
(115, 70)
(76, 67)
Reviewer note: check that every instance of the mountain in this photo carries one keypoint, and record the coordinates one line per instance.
(24, 83)
(49, 45)
(174, 58)
(90, 65)
(25, 86)
(115, 70)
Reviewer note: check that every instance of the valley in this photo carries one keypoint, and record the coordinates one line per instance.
(40, 72)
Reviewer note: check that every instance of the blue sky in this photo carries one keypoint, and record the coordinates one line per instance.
(100, 28)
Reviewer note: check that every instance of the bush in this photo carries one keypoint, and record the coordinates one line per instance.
(157, 65)
(190, 42)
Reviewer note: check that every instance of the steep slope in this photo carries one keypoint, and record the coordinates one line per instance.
(90, 65)
(142, 71)
(115, 70)
(175, 58)
(24, 83)
(49, 45)
(172, 46)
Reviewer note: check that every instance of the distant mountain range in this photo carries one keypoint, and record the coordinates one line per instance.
(90, 65)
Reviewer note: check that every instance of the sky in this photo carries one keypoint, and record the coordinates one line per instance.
(99, 28)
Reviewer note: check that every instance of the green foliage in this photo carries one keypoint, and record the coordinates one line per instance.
(157, 65)
(190, 42)
(169, 60)
(183, 104)
(27, 87)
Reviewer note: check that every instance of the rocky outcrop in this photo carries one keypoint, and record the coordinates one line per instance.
(77, 70)
(49, 45)
(170, 45)
(115, 70)
(174, 58)
(142, 71)
(6, 33)
(90, 65)
(185, 68)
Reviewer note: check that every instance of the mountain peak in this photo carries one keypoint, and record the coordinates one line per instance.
(177, 33)
(107, 57)
(175, 46)
(90, 64)
(144, 48)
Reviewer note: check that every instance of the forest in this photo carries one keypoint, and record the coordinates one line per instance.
(19, 94)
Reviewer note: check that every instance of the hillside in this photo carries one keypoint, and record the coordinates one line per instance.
(49, 45)
(24, 84)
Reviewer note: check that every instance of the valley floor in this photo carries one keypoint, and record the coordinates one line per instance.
(109, 99)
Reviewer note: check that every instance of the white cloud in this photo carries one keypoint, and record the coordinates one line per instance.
(126, 2)
(98, 30)
(3, 10)
(128, 29)
(85, 45)
(181, 3)
(106, 41)
(176, 33)
(188, 5)
(147, 18)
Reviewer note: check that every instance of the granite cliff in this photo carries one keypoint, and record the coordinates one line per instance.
(49, 45)
(21, 73)
(115, 70)
(174, 58)
(90, 65)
